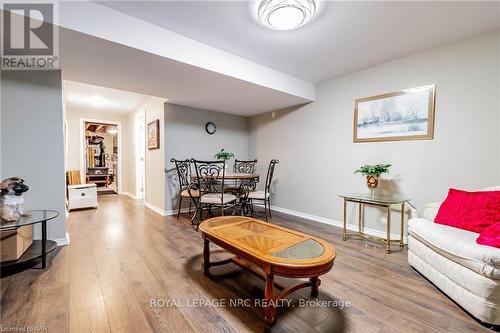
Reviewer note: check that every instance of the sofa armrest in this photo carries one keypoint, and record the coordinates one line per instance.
(431, 211)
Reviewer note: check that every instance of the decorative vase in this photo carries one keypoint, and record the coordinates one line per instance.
(372, 183)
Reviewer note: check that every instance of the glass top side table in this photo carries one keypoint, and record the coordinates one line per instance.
(39, 248)
(375, 200)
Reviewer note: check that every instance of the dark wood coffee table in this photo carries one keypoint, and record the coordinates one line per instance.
(267, 250)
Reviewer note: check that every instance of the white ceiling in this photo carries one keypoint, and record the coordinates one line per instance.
(343, 37)
(88, 96)
(104, 47)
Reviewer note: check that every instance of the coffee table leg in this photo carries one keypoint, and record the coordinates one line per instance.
(315, 282)
(269, 309)
(206, 255)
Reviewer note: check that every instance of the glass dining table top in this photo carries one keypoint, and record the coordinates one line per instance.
(396, 198)
(234, 175)
(36, 216)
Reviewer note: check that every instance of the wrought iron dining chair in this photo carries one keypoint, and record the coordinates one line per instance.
(183, 168)
(265, 195)
(241, 166)
(210, 183)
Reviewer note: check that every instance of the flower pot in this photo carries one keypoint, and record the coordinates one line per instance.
(372, 182)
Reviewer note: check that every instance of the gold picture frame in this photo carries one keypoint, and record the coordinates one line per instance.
(398, 116)
(154, 134)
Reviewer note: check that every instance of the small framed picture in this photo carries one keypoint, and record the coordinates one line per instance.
(396, 116)
(154, 134)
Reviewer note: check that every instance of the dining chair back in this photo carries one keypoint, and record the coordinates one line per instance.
(265, 195)
(241, 166)
(210, 183)
(183, 168)
(270, 175)
(210, 175)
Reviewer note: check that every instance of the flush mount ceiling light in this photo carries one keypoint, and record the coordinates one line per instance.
(112, 130)
(286, 14)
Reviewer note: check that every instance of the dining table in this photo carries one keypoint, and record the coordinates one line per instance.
(238, 183)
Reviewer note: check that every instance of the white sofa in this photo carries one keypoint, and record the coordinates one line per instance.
(467, 272)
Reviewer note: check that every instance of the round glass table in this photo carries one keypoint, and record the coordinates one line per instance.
(39, 248)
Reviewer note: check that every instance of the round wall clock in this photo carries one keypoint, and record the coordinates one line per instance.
(210, 127)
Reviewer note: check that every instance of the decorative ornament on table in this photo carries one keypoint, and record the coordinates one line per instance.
(372, 174)
(11, 199)
(224, 155)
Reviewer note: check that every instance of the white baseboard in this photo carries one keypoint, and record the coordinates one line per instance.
(155, 209)
(62, 241)
(340, 224)
(165, 212)
(174, 211)
(128, 194)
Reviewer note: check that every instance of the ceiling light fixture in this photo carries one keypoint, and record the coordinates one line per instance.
(112, 130)
(286, 14)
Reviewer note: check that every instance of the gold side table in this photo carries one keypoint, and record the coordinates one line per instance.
(386, 201)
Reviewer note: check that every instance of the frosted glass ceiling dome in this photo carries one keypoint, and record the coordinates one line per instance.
(286, 14)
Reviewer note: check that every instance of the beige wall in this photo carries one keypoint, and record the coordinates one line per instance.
(155, 159)
(131, 120)
(318, 157)
(186, 138)
(155, 175)
(73, 116)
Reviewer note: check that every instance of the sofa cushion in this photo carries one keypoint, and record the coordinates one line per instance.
(472, 211)
(476, 293)
(457, 245)
(490, 236)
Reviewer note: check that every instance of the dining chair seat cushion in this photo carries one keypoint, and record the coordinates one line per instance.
(258, 195)
(194, 193)
(217, 198)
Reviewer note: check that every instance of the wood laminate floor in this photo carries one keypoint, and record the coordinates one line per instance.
(128, 269)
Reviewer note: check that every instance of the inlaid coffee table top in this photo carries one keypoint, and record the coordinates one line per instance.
(269, 243)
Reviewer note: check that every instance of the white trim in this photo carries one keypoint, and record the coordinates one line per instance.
(62, 241)
(82, 153)
(155, 209)
(166, 212)
(339, 224)
(129, 195)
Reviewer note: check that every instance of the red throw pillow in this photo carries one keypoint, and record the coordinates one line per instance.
(472, 211)
(490, 236)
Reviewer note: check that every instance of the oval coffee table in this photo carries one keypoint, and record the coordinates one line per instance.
(267, 250)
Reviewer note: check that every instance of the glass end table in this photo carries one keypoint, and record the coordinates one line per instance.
(39, 248)
(386, 201)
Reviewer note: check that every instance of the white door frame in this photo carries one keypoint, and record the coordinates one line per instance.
(118, 124)
(137, 118)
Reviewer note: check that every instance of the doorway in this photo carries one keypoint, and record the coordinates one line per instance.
(140, 155)
(101, 155)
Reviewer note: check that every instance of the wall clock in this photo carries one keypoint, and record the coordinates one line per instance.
(210, 127)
